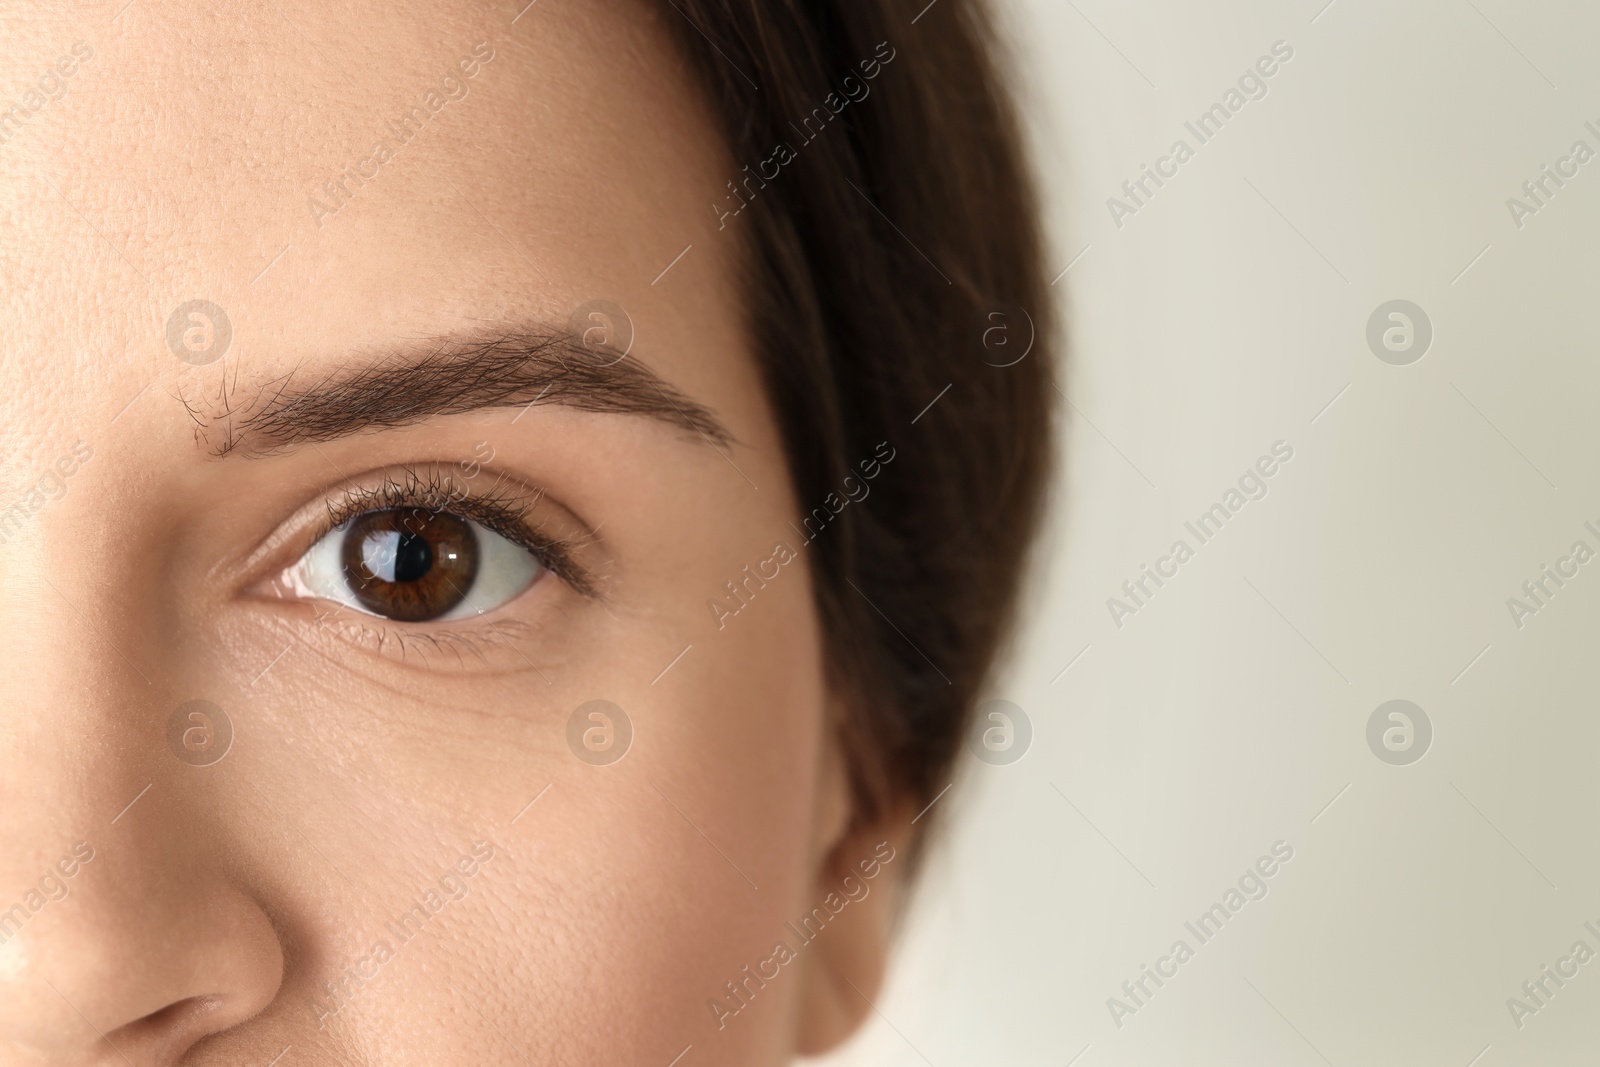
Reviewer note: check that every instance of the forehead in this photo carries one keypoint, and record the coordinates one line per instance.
(337, 177)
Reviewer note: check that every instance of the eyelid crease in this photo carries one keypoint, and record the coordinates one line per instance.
(503, 509)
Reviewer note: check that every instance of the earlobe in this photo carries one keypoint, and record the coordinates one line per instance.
(857, 895)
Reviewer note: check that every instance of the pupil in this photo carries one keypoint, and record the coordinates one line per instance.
(413, 558)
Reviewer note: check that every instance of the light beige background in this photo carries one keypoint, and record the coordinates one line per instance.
(1227, 714)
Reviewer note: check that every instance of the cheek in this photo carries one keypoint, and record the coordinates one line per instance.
(632, 893)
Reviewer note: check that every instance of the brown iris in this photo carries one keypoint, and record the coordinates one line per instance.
(409, 564)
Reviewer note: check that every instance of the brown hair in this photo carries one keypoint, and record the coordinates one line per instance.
(897, 237)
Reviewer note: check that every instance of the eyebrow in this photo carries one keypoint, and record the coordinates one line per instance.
(449, 375)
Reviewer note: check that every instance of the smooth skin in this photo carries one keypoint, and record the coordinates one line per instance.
(374, 764)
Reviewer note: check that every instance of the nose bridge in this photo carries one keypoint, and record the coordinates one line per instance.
(75, 754)
(122, 936)
(75, 707)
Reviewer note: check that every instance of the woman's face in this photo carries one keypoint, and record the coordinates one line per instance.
(319, 543)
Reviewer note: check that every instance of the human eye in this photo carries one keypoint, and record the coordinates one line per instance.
(419, 549)
(415, 565)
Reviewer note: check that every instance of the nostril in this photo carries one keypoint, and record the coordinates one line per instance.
(162, 1037)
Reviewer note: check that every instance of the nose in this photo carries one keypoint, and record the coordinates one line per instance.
(139, 963)
(126, 935)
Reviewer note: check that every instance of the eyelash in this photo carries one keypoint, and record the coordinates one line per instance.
(501, 509)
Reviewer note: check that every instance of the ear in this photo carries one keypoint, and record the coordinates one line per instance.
(861, 874)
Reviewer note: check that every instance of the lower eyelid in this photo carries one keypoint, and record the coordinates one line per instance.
(470, 645)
